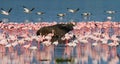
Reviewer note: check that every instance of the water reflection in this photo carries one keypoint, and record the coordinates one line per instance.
(81, 54)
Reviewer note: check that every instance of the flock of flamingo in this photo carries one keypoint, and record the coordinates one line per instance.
(60, 15)
(16, 36)
(13, 34)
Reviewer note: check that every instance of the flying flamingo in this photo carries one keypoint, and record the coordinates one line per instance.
(73, 10)
(110, 12)
(40, 13)
(6, 12)
(61, 15)
(26, 10)
(86, 15)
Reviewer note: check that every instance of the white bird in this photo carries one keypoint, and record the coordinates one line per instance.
(94, 44)
(8, 45)
(73, 10)
(75, 41)
(72, 44)
(114, 37)
(26, 10)
(83, 41)
(55, 43)
(86, 14)
(40, 13)
(61, 14)
(48, 37)
(6, 12)
(104, 41)
(33, 47)
(110, 12)
(14, 43)
(27, 46)
(46, 43)
(113, 44)
(3, 42)
(109, 18)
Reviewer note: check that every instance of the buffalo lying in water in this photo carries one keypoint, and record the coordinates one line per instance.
(59, 31)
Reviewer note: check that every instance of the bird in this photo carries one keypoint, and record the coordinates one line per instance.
(73, 10)
(27, 46)
(71, 44)
(6, 12)
(26, 10)
(40, 13)
(94, 44)
(86, 14)
(33, 47)
(8, 45)
(110, 12)
(109, 18)
(61, 14)
(46, 43)
(55, 43)
(113, 44)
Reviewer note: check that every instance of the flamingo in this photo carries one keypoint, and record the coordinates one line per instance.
(4, 42)
(55, 43)
(94, 44)
(6, 12)
(72, 44)
(114, 37)
(46, 43)
(27, 46)
(73, 10)
(86, 15)
(113, 44)
(14, 43)
(104, 41)
(8, 45)
(66, 38)
(26, 10)
(40, 13)
(110, 12)
(82, 39)
(48, 37)
(33, 47)
(109, 18)
(61, 14)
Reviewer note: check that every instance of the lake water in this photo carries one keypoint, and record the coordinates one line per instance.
(53, 7)
(81, 54)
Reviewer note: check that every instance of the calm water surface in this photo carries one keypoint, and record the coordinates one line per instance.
(81, 54)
